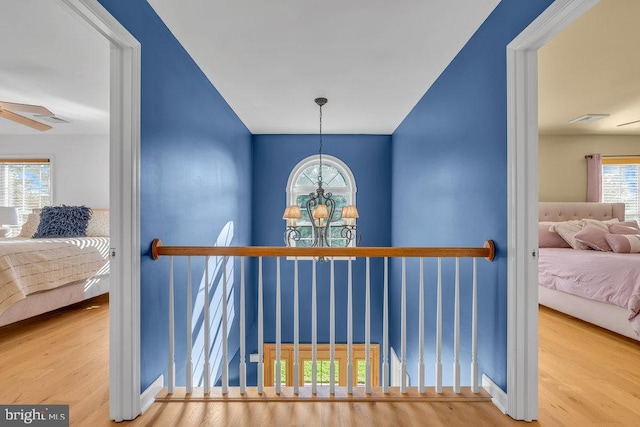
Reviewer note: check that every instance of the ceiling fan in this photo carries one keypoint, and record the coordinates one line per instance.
(7, 110)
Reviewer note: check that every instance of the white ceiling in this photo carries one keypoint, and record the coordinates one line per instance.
(49, 58)
(593, 67)
(373, 59)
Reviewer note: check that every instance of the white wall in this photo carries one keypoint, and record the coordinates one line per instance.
(79, 164)
(562, 168)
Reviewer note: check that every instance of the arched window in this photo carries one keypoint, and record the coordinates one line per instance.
(337, 179)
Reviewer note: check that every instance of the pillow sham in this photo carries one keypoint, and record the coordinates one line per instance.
(624, 243)
(603, 225)
(593, 237)
(30, 227)
(567, 230)
(63, 221)
(98, 223)
(627, 227)
(549, 239)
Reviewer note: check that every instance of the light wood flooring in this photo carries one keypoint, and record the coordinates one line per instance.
(587, 376)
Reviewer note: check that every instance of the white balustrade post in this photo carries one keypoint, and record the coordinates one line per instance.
(207, 325)
(314, 332)
(189, 367)
(385, 330)
(367, 330)
(243, 362)
(474, 331)
(349, 328)
(421, 331)
(403, 330)
(296, 330)
(438, 373)
(278, 378)
(225, 362)
(332, 331)
(260, 331)
(171, 368)
(456, 331)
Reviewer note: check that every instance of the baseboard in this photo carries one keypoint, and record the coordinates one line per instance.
(149, 395)
(498, 397)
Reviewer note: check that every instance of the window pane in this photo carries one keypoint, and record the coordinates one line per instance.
(283, 372)
(322, 369)
(361, 369)
(331, 177)
(620, 183)
(26, 186)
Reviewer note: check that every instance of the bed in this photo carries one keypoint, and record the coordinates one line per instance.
(587, 284)
(40, 275)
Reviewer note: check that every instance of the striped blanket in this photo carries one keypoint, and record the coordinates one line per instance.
(34, 265)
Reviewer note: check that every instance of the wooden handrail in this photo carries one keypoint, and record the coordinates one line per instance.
(488, 251)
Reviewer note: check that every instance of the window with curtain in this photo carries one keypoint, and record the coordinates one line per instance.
(25, 184)
(337, 179)
(621, 183)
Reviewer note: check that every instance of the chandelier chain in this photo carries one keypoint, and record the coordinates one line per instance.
(320, 150)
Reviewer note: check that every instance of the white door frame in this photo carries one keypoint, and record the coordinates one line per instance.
(124, 207)
(522, 202)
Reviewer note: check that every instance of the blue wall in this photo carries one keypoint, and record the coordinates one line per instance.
(195, 173)
(449, 164)
(369, 158)
(444, 170)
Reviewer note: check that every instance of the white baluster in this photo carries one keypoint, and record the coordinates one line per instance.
(260, 331)
(456, 332)
(332, 331)
(367, 331)
(421, 331)
(403, 330)
(243, 362)
(171, 369)
(189, 368)
(207, 343)
(439, 330)
(278, 330)
(296, 330)
(314, 332)
(349, 328)
(474, 331)
(225, 363)
(385, 330)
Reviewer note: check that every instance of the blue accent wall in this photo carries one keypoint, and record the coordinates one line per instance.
(450, 185)
(195, 174)
(369, 158)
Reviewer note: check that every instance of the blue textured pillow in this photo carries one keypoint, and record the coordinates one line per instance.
(63, 221)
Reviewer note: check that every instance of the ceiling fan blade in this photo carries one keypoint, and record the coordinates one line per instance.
(25, 108)
(24, 120)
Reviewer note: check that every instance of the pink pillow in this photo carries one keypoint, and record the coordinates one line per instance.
(629, 227)
(624, 243)
(549, 239)
(567, 230)
(594, 238)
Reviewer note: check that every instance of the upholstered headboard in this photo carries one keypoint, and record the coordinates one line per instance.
(565, 211)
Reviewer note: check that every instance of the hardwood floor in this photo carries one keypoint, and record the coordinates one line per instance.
(587, 376)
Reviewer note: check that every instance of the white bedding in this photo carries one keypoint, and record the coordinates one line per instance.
(29, 266)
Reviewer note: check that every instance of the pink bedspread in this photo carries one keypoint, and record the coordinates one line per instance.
(601, 276)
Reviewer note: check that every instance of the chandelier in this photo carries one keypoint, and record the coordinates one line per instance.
(321, 209)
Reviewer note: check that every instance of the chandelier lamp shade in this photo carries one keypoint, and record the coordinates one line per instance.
(320, 208)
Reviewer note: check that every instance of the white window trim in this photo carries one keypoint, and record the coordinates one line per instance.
(52, 171)
(350, 190)
(328, 160)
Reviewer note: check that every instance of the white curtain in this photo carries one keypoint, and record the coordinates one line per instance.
(594, 177)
